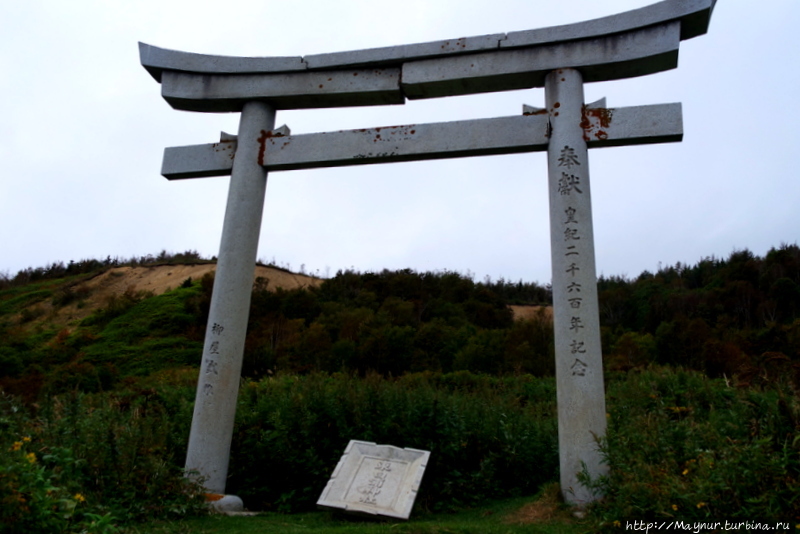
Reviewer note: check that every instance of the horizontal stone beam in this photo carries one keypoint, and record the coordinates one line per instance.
(693, 16)
(506, 135)
(294, 90)
(198, 161)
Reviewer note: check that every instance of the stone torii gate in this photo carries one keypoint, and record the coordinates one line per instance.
(560, 59)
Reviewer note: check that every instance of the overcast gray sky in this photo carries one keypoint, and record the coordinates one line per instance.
(84, 128)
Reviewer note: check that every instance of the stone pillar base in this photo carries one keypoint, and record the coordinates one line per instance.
(224, 504)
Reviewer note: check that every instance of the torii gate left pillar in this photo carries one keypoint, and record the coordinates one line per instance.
(221, 367)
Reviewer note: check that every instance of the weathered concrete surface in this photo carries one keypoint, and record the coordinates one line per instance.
(635, 125)
(293, 90)
(396, 55)
(636, 43)
(576, 318)
(412, 142)
(693, 15)
(220, 370)
(199, 161)
(626, 55)
(228, 504)
(375, 479)
(659, 123)
(156, 60)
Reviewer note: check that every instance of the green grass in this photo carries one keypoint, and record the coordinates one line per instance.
(143, 336)
(11, 302)
(491, 518)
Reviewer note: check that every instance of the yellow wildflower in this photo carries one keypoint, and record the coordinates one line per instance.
(617, 524)
(701, 504)
(26, 439)
(78, 497)
(685, 472)
(31, 457)
(675, 507)
(16, 446)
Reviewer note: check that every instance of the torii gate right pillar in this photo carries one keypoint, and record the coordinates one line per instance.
(576, 321)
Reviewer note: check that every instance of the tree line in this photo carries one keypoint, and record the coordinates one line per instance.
(738, 316)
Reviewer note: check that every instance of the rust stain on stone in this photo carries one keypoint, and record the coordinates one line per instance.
(262, 146)
(595, 121)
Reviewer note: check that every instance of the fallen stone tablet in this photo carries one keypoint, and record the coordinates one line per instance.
(378, 480)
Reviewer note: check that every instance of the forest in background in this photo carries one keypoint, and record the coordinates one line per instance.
(738, 316)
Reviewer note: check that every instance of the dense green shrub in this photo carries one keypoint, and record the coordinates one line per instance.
(683, 446)
(679, 445)
(488, 438)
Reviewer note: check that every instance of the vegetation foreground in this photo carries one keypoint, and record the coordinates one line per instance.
(701, 382)
(679, 445)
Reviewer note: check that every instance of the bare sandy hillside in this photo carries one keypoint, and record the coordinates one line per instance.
(161, 278)
(95, 292)
(529, 312)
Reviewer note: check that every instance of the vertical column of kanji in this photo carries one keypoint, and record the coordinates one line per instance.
(579, 361)
(218, 386)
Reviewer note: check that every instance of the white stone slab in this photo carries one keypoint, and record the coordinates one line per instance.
(376, 480)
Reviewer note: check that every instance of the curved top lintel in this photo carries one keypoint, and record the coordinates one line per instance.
(694, 16)
(156, 60)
